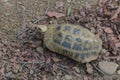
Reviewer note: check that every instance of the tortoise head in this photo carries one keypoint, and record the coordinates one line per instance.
(42, 28)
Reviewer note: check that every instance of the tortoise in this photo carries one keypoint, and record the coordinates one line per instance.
(73, 41)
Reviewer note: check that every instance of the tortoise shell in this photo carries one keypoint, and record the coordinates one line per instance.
(73, 41)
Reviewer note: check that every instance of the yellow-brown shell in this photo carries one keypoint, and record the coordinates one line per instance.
(73, 41)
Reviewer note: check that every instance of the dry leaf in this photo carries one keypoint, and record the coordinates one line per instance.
(56, 60)
(102, 1)
(116, 14)
(2, 70)
(54, 67)
(82, 13)
(76, 69)
(86, 77)
(44, 77)
(40, 17)
(89, 68)
(55, 14)
(78, 75)
(115, 28)
(106, 13)
(68, 77)
(108, 30)
(25, 53)
(48, 60)
(107, 53)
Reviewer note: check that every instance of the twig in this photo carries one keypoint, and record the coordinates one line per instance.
(22, 67)
(97, 68)
(48, 6)
(37, 62)
(65, 70)
(112, 57)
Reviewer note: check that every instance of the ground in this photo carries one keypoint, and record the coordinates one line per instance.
(23, 55)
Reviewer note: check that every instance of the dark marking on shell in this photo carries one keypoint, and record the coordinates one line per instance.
(66, 44)
(76, 31)
(82, 56)
(66, 28)
(58, 41)
(58, 27)
(77, 46)
(78, 40)
(68, 38)
(94, 53)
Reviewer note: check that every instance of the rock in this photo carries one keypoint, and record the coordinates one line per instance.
(39, 49)
(108, 67)
(15, 71)
(117, 45)
(10, 75)
(68, 77)
(76, 69)
(118, 72)
(31, 71)
(89, 68)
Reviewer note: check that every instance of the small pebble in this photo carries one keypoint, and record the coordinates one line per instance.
(108, 67)
(39, 49)
(118, 72)
(15, 70)
(31, 71)
(19, 3)
(68, 77)
(76, 69)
